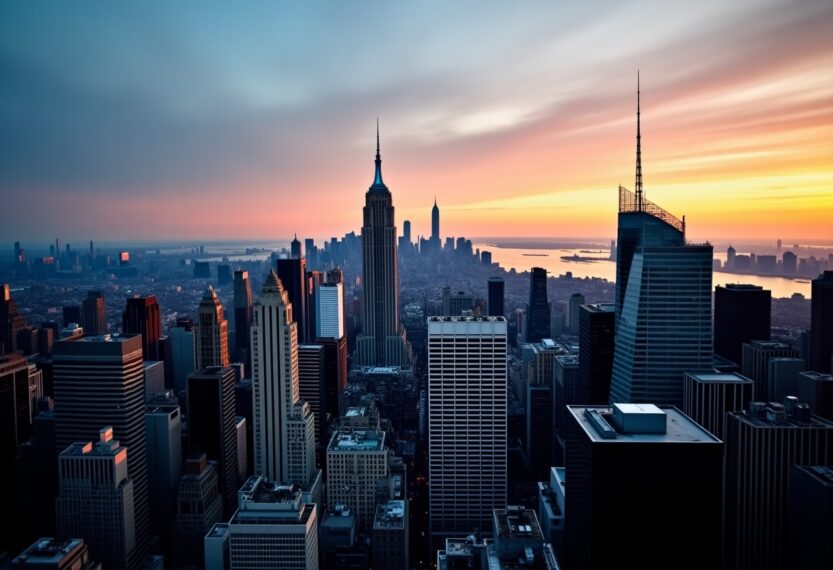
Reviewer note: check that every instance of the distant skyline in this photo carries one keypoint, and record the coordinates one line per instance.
(193, 122)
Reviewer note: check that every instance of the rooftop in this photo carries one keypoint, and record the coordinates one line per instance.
(597, 422)
(466, 319)
(776, 415)
(390, 515)
(357, 440)
(516, 522)
(769, 345)
(818, 376)
(219, 530)
(49, 551)
(822, 473)
(567, 360)
(630, 203)
(599, 307)
(106, 338)
(356, 412)
(719, 378)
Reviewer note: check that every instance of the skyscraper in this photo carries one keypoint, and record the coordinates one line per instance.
(293, 276)
(311, 389)
(406, 231)
(329, 310)
(597, 326)
(821, 323)
(769, 438)
(576, 301)
(15, 428)
(99, 380)
(210, 333)
(11, 321)
(243, 312)
(283, 426)
(141, 316)
(94, 314)
(755, 363)
(741, 314)
(71, 314)
(435, 225)
(295, 248)
(182, 352)
(199, 505)
(709, 396)
(96, 500)
(628, 468)
(495, 304)
(810, 518)
(466, 444)
(211, 425)
(382, 342)
(663, 300)
(538, 309)
(163, 429)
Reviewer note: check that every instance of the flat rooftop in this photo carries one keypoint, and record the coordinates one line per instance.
(567, 360)
(679, 428)
(769, 345)
(48, 551)
(719, 377)
(219, 530)
(357, 440)
(356, 412)
(390, 515)
(515, 522)
(466, 319)
(105, 338)
(599, 307)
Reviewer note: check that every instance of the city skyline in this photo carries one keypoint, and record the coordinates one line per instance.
(525, 146)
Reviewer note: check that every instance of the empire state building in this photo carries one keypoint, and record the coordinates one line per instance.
(382, 342)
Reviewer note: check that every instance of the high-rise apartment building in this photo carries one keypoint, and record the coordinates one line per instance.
(821, 323)
(98, 380)
(538, 308)
(211, 425)
(283, 424)
(243, 312)
(94, 314)
(466, 444)
(626, 465)
(96, 500)
(141, 316)
(768, 438)
(382, 342)
(210, 333)
(741, 314)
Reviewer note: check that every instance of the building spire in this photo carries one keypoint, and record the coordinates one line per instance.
(638, 184)
(377, 179)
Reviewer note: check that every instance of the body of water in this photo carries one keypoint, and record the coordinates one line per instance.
(522, 259)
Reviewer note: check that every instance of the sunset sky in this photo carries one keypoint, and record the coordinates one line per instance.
(149, 121)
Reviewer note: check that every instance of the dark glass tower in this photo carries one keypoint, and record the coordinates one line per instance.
(538, 309)
(595, 345)
(293, 276)
(141, 316)
(821, 323)
(381, 342)
(242, 317)
(496, 297)
(741, 314)
(11, 321)
(94, 314)
(211, 420)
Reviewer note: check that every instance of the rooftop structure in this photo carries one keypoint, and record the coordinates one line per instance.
(638, 423)
(54, 553)
(390, 514)
(632, 202)
(360, 440)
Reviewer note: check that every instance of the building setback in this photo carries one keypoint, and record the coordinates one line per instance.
(708, 396)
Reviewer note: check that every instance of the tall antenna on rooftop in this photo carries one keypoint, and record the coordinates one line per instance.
(638, 185)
